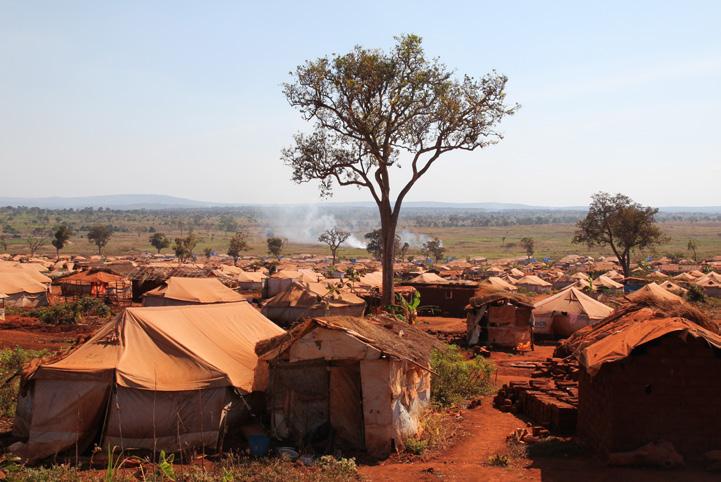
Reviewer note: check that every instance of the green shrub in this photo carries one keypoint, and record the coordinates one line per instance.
(696, 294)
(499, 460)
(12, 361)
(71, 313)
(457, 379)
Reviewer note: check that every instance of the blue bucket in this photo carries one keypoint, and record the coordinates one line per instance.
(259, 445)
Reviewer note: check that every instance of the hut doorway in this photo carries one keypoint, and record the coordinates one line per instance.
(345, 405)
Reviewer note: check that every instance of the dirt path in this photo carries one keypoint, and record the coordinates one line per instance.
(484, 434)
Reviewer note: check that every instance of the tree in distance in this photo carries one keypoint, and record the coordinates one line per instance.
(529, 245)
(36, 239)
(159, 241)
(184, 247)
(374, 111)
(238, 243)
(433, 248)
(61, 235)
(374, 243)
(692, 246)
(620, 223)
(275, 246)
(100, 235)
(333, 238)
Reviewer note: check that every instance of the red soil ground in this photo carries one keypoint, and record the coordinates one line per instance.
(29, 333)
(483, 434)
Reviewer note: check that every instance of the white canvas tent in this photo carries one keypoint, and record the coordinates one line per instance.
(565, 312)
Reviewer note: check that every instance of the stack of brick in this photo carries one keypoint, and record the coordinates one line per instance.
(550, 399)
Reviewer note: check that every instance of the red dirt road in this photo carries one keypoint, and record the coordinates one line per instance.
(484, 434)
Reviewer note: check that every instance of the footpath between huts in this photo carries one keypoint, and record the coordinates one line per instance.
(482, 434)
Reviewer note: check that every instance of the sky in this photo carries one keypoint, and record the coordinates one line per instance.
(184, 98)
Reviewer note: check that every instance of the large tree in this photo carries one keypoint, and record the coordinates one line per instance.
(433, 248)
(275, 245)
(373, 110)
(159, 241)
(100, 234)
(333, 238)
(238, 243)
(620, 223)
(61, 235)
(529, 245)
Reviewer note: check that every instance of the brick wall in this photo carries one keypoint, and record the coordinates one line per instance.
(668, 389)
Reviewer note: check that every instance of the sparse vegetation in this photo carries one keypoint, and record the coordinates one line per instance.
(100, 235)
(12, 361)
(333, 238)
(436, 432)
(159, 241)
(73, 312)
(499, 460)
(457, 378)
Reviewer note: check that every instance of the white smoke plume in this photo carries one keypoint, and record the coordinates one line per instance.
(304, 226)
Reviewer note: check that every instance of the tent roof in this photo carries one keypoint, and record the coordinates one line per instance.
(606, 282)
(653, 290)
(498, 283)
(12, 282)
(173, 348)
(96, 277)
(309, 294)
(25, 268)
(573, 300)
(532, 280)
(197, 290)
(619, 344)
(428, 278)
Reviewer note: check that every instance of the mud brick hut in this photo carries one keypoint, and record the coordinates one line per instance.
(499, 318)
(650, 374)
(190, 291)
(354, 383)
(154, 378)
(447, 297)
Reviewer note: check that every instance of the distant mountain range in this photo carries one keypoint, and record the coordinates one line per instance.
(158, 201)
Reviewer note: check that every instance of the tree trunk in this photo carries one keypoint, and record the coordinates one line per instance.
(388, 228)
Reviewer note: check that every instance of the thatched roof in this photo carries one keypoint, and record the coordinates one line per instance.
(393, 338)
(485, 295)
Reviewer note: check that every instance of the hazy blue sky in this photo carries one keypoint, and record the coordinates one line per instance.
(184, 98)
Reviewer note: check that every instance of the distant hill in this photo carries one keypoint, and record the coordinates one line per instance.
(158, 201)
(117, 201)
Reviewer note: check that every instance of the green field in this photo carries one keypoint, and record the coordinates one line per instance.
(552, 240)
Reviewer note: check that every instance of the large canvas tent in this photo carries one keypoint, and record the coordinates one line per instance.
(565, 312)
(22, 290)
(154, 378)
(190, 291)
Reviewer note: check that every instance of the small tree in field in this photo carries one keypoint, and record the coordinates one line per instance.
(433, 248)
(275, 246)
(238, 244)
(36, 239)
(529, 245)
(333, 238)
(100, 235)
(184, 247)
(692, 246)
(374, 243)
(159, 241)
(373, 110)
(620, 223)
(61, 235)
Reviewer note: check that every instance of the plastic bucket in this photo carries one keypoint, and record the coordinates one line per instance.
(259, 445)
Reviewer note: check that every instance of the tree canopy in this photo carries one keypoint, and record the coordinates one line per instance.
(529, 245)
(159, 241)
(61, 235)
(620, 223)
(433, 248)
(275, 245)
(238, 243)
(333, 238)
(372, 111)
(100, 234)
